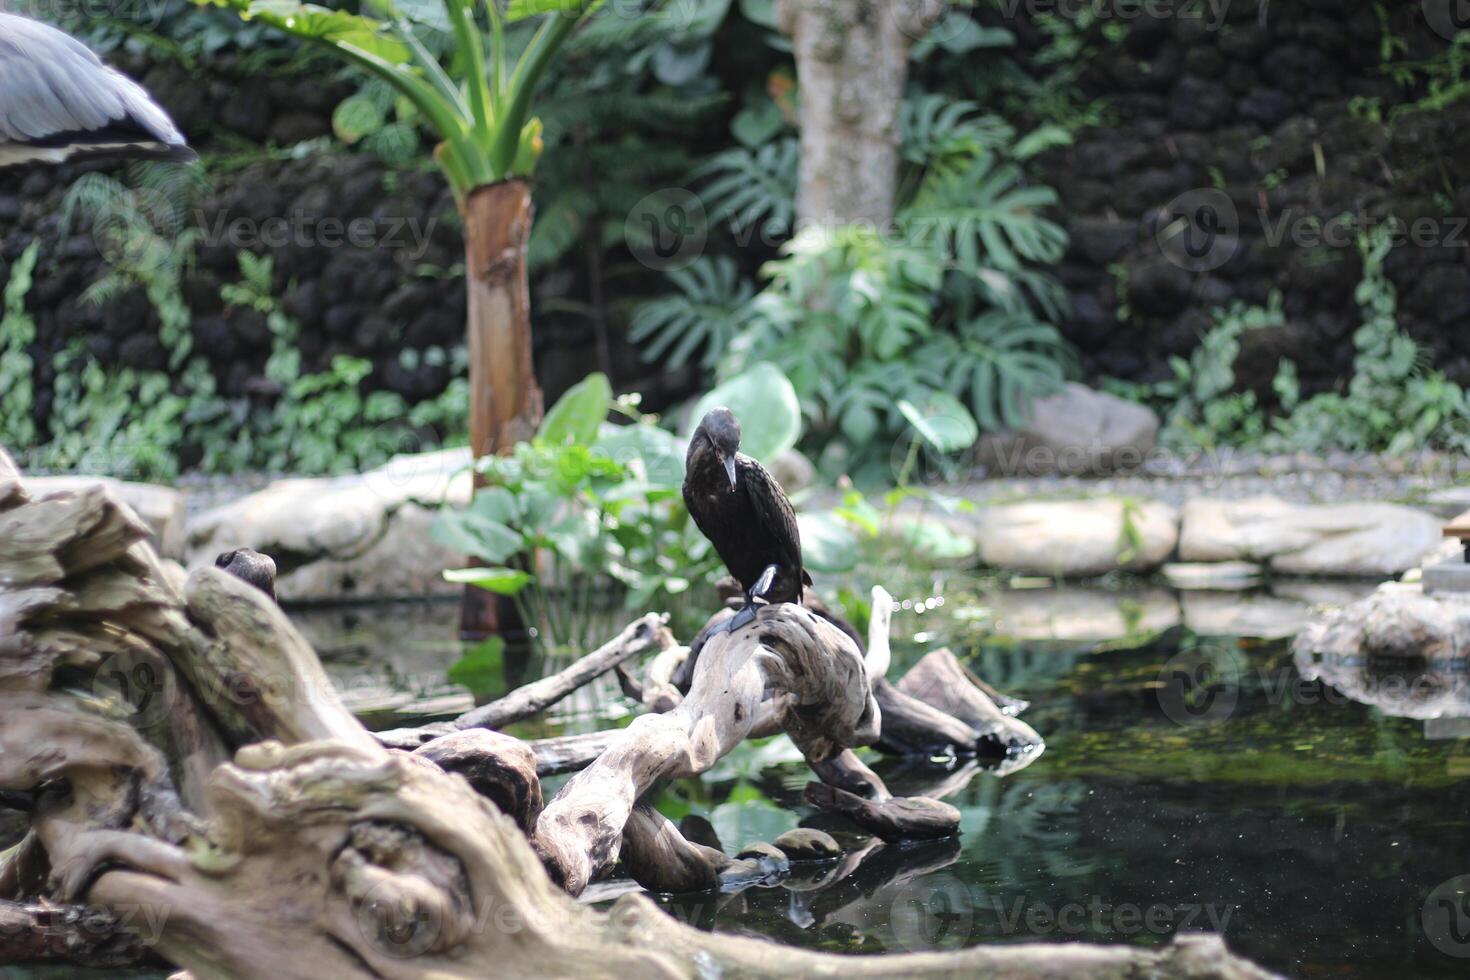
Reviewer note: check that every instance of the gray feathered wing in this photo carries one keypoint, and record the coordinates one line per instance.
(58, 100)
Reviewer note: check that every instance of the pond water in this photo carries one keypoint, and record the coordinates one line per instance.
(1194, 778)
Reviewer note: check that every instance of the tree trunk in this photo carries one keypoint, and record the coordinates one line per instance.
(505, 401)
(851, 64)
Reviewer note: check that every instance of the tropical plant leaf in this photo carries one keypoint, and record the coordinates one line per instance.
(746, 187)
(765, 403)
(985, 217)
(501, 581)
(707, 313)
(578, 413)
(941, 421)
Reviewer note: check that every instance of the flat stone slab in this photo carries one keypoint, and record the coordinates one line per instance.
(1077, 538)
(1347, 540)
(1447, 576)
(1219, 575)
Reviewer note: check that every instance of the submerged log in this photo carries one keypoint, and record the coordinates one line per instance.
(317, 851)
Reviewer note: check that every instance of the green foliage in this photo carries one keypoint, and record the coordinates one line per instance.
(765, 402)
(584, 506)
(1393, 403)
(705, 315)
(17, 333)
(321, 422)
(481, 117)
(753, 188)
(860, 323)
(142, 424)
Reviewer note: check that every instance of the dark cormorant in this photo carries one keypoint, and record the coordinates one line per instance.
(745, 514)
(250, 566)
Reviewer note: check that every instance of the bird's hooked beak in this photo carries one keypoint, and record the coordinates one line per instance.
(729, 462)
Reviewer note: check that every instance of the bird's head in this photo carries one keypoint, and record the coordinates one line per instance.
(723, 432)
(250, 566)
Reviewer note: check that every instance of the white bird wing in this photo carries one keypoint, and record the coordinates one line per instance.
(51, 84)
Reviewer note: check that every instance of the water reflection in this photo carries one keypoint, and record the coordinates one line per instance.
(1297, 807)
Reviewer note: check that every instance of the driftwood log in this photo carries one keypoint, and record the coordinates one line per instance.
(180, 752)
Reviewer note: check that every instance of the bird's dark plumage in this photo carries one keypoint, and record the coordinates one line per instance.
(250, 566)
(743, 511)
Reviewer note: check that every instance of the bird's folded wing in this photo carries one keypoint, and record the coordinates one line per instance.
(772, 507)
(52, 85)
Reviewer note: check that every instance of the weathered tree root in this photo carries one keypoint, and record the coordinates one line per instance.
(321, 853)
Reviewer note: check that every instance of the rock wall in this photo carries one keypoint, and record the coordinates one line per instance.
(366, 257)
(1245, 119)
(1228, 122)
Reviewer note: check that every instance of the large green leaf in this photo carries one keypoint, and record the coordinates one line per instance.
(826, 544)
(942, 422)
(501, 581)
(765, 403)
(577, 415)
(521, 9)
(659, 452)
(474, 534)
(317, 23)
(933, 540)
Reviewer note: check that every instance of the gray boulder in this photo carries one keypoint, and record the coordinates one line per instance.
(1076, 432)
(1348, 540)
(1078, 538)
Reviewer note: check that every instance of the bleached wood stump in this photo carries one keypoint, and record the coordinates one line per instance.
(180, 752)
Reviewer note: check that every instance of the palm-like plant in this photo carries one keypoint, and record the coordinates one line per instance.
(478, 102)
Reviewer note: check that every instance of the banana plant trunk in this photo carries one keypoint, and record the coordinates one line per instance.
(505, 401)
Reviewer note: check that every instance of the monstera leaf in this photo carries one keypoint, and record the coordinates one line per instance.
(764, 401)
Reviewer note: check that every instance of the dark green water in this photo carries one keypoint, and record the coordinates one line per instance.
(1311, 834)
(1190, 782)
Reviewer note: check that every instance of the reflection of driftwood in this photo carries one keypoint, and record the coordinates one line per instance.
(319, 852)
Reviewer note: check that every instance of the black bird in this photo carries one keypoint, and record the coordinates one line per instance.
(745, 514)
(250, 566)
